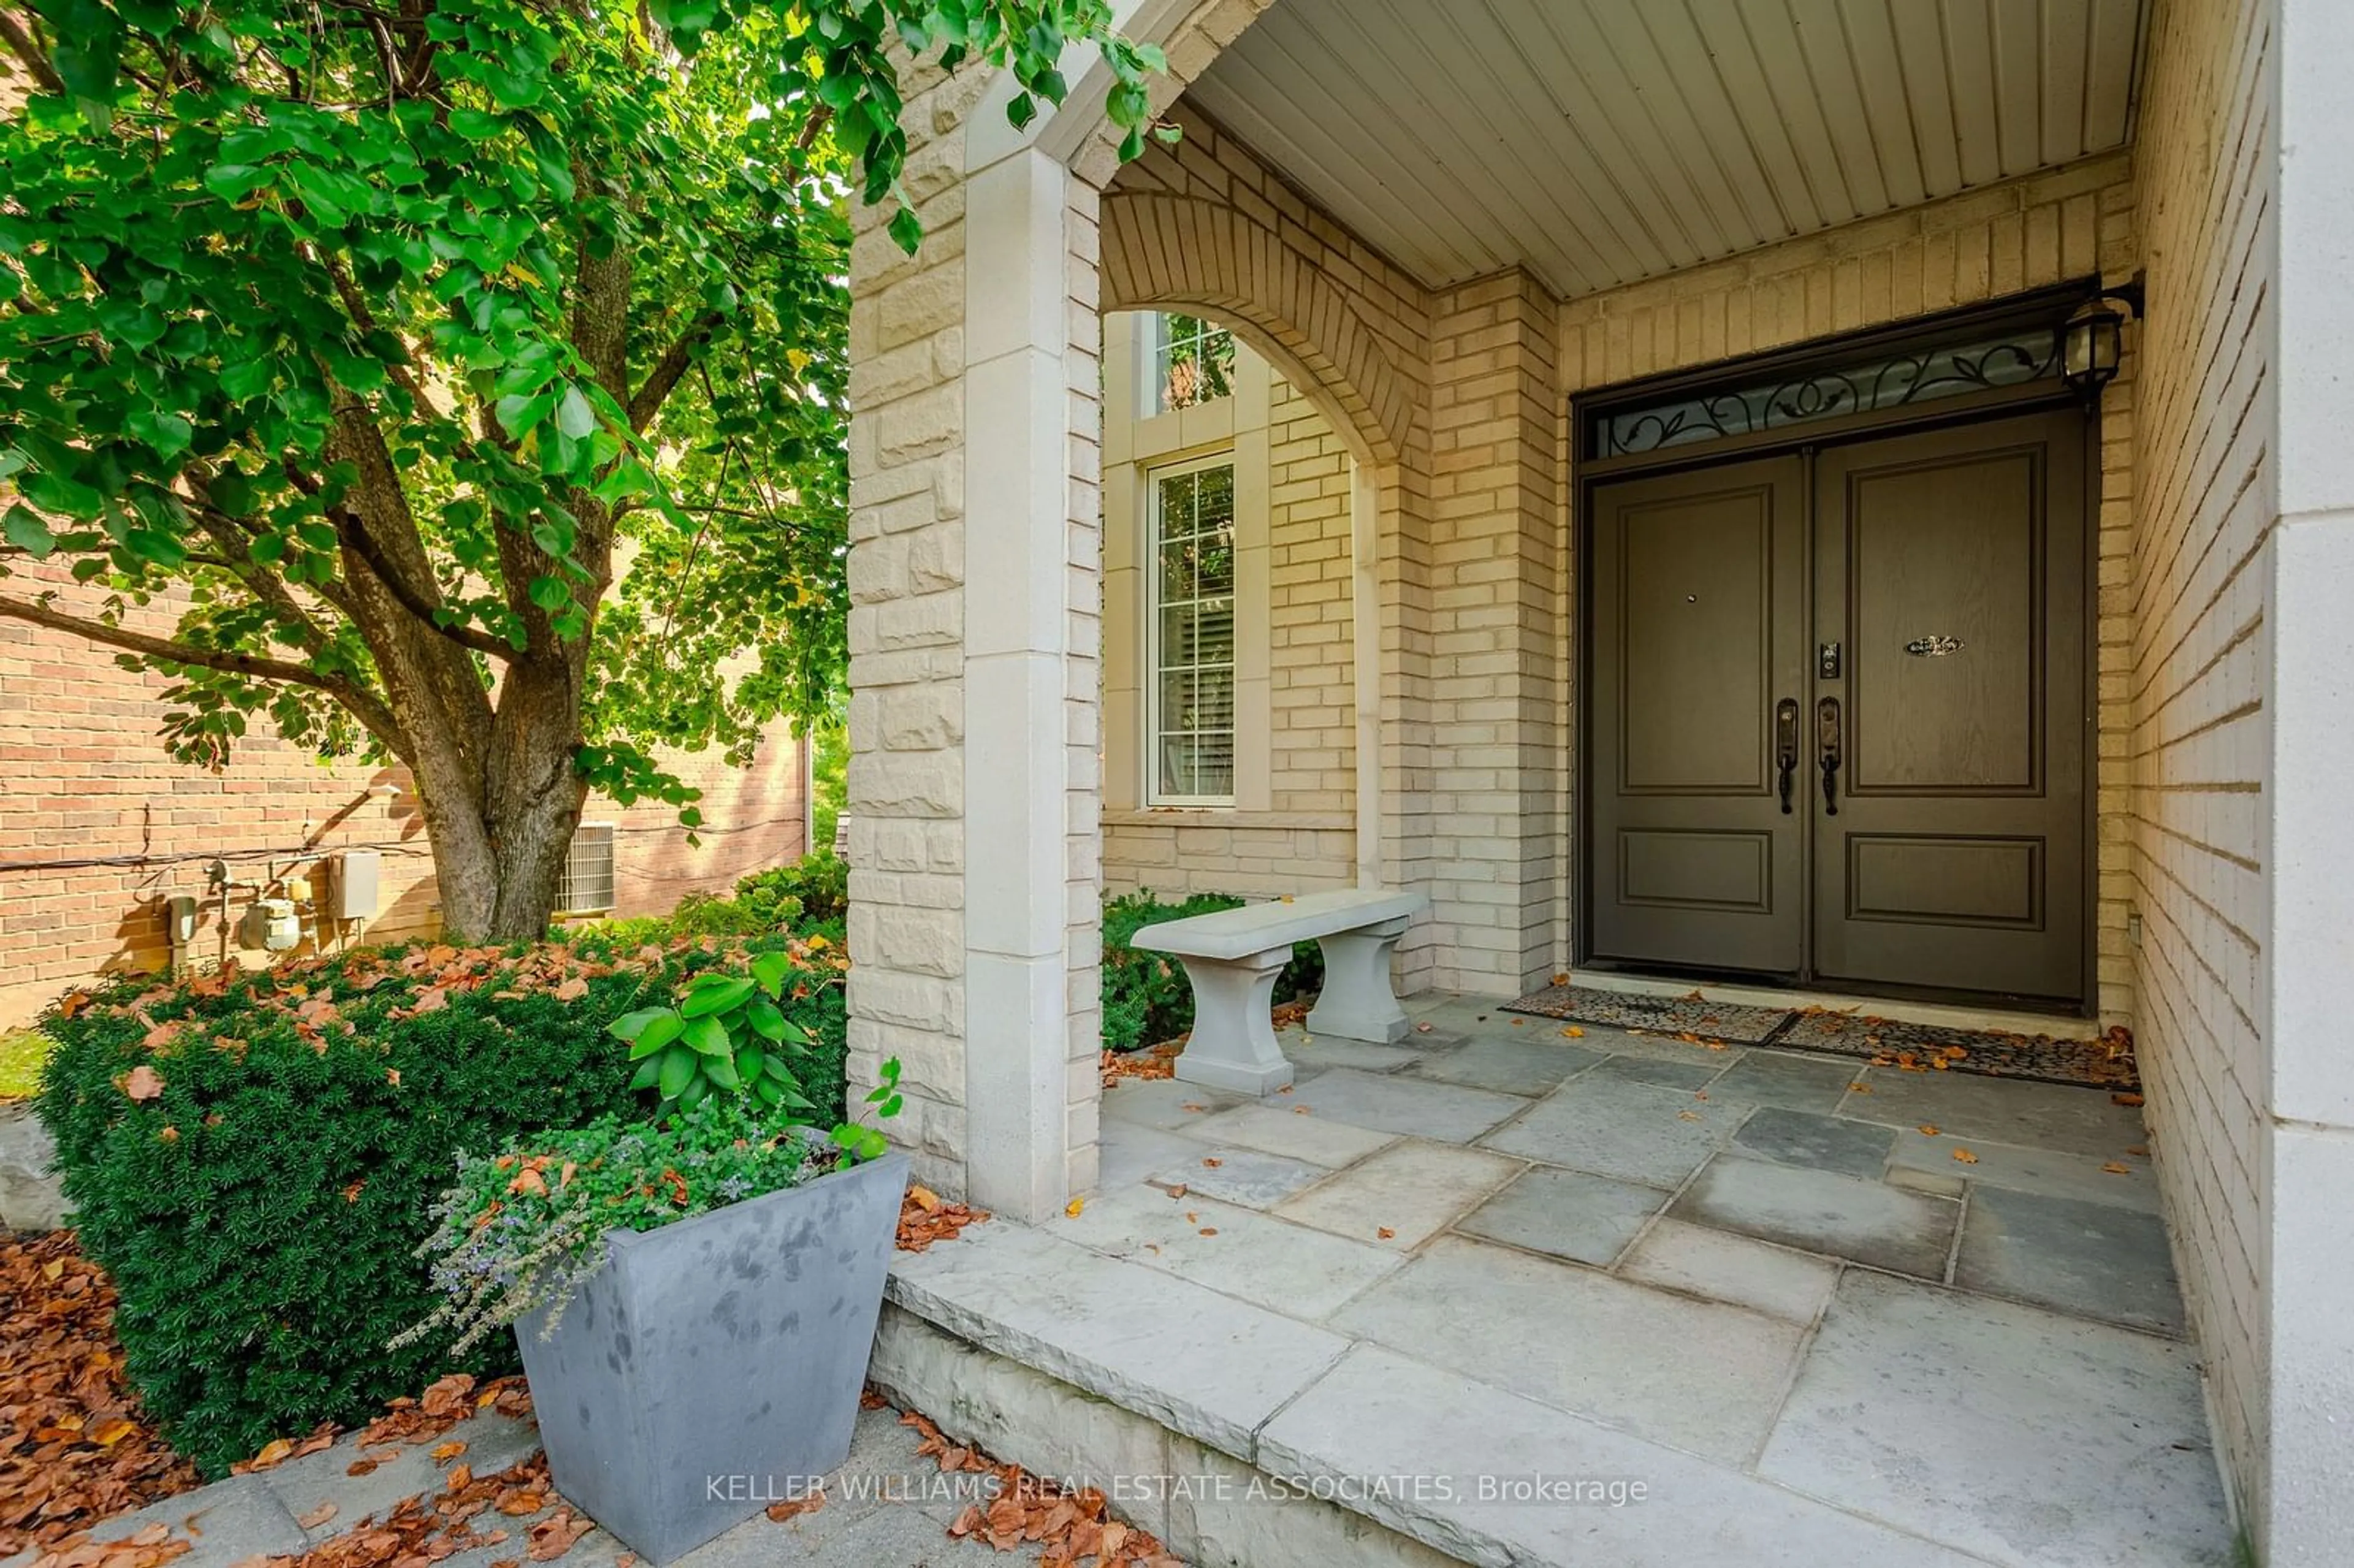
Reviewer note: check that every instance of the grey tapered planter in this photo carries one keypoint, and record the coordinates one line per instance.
(713, 1366)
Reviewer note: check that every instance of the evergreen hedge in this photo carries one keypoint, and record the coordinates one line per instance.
(252, 1156)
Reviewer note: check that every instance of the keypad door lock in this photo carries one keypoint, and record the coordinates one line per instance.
(1827, 661)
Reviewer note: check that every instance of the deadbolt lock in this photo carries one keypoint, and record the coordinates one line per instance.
(1827, 661)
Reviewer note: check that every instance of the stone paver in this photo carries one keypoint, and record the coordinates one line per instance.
(1269, 1261)
(1274, 1129)
(1568, 1213)
(1199, 1361)
(1704, 1377)
(1636, 1132)
(224, 1523)
(31, 1197)
(1249, 1177)
(2006, 1110)
(1667, 1073)
(1779, 1078)
(1818, 1211)
(1508, 1066)
(2051, 1173)
(1411, 1189)
(2094, 1260)
(1317, 1052)
(2032, 1439)
(1790, 1136)
(1382, 1413)
(1412, 1106)
(1773, 1280)
(1130, 1152)
(1165, 1103)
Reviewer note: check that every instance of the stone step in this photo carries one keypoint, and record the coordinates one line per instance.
(1240, 1436)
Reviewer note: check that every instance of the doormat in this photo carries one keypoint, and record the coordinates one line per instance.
(1676, 1015)
(2106, 1063)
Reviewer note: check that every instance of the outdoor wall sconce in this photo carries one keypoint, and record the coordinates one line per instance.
(2093, 343)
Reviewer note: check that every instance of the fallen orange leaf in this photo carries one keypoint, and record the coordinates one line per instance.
(1966, 1157)
(1572, 1034)
(2113, 1168)
(1071, 1210)
(1209, 1230)
(1928, 1129)
(1387, 1233)
(442, 1453)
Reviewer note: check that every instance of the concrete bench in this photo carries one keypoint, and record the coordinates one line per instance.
(1233, 957)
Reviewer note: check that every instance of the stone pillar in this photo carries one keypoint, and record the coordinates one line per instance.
(1032, 636)
(1498, 650)
(2305, 1266)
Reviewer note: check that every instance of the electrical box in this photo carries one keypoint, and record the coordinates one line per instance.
(180, 919)
(355, 884)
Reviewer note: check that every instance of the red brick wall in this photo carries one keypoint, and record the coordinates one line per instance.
(83, 777)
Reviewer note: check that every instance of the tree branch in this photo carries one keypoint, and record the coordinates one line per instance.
(647, 401)
(20, 44)
(363, 705)
(353, 534)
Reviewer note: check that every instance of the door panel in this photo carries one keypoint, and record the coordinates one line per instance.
(1950, 567)
(1697, 635)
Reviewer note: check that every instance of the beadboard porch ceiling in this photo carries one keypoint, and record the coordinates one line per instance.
(1602, 141)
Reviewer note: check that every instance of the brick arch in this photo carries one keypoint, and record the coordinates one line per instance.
(1162, 251)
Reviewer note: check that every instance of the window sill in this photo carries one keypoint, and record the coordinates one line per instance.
(1225, 816)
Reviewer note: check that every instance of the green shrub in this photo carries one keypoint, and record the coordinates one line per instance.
(820, 880)
(1146, 999)
(253, 1158)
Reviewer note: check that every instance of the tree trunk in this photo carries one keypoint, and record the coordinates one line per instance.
(500, 812)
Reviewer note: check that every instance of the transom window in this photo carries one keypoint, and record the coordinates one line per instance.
(1920, 374)
(1192, 362)
(1191, 621)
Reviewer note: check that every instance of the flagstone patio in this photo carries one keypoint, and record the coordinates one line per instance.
(1824, 1312)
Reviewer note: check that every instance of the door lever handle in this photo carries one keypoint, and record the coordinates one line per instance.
(1786, 745)
(1826, 742)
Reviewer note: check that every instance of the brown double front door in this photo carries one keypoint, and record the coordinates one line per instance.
(1837, 721)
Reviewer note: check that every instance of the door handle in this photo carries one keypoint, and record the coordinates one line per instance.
(1827, 744)
(1786, 745)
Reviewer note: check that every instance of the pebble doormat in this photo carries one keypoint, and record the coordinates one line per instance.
(2105, 1063)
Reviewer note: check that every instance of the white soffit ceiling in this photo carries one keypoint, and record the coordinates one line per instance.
(1599, 142)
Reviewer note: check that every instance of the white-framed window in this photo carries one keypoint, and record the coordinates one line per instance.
(1192, 362)
(588, 886)
(1190, 621)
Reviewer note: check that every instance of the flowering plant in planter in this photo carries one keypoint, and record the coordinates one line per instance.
(520, 1229)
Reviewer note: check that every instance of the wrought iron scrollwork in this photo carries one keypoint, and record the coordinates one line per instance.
(1944, 372)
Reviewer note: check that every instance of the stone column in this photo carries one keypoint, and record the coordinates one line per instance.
(2306, 1269)
(1031, 676)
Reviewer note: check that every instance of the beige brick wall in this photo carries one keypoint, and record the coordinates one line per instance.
(1293, 825)
(2046, 229)
(2202, 464)
(83, 777)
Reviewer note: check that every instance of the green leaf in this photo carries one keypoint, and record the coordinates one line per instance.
(678, 1070)
(721, 1070)
(475, 124)
(713, 995)
(157, 548)
(764, 1018)
(24, 528)
(630, 1025)
(772, 969)
(643, 1078)
(574, 416)
(549, 593)
(708, 1037)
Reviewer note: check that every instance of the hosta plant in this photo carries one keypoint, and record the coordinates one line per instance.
(727, 1032)
(521, 1230)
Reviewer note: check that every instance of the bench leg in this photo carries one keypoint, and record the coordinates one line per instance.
(1233, 1045)
(1357, 1002)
